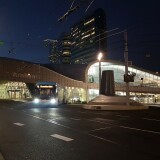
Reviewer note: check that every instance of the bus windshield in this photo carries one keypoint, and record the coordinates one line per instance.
(45, 91)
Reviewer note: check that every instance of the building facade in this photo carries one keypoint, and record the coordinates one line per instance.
(144, 89)
(17, 79)
(53, 51)
(85, 40)
(88, 38)
(64, 49)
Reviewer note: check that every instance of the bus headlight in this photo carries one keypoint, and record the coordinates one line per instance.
(53, 101)
(36, 100)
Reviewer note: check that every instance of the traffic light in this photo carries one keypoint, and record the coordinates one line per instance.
(129, 77)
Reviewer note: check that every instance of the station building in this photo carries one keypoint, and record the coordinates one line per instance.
(79, 82)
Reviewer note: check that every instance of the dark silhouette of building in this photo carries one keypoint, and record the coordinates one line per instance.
(53, 52)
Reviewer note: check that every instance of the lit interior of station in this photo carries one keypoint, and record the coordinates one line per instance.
(144, 89)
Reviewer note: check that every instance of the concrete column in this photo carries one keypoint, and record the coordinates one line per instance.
(107, 83)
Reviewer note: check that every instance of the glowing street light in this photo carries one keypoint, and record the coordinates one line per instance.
(99, 57)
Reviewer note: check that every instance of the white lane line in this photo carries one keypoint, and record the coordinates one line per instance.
(51, 121)
(126, 127)
(100, 119)
(54, 114)
(37, 117)
(122, 116)
(99, 129)
(149, 119)
(23, 111)
(76, 119)
(19, 124)
(102, 139)
(101, 122)
(61, 137)
(54, 122)
(104, 121)
(142, 130)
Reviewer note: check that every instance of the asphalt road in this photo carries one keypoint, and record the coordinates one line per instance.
(72, 133)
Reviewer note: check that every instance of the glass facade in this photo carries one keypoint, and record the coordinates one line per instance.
(88, 37)
(14, 90)
(145, 88)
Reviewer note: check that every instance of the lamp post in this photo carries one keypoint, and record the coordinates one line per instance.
(99, 57)
(126, 67)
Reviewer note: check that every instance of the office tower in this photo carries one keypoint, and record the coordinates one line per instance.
(88, 38)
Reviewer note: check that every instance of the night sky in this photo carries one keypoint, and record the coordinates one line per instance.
(24, 24)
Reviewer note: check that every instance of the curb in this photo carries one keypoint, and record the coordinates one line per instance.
(1, 157)
(114, 107)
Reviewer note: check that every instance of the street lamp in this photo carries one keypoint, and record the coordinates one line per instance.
(99, 57)
(126, 67)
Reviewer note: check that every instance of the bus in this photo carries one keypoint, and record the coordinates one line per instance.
(46, 93)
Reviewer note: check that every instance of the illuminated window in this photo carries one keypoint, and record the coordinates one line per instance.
(75, 29)
(86, 23)
(88, 31)
(87, 35)
(73, 43)
(66, 43)
(66, 53)
(92, 33)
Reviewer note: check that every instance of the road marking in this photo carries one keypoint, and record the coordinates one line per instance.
(151, 119)
(76, 119)
(37, 117)
(103, 119)
(102, 139)
(61, 137)
(137, 129)
(142, 130)
(58, 118)
(99, 129)
(122, 116)
(51, 121)
(19, 124)
(54, 122)
(23, 111)
(101, 122)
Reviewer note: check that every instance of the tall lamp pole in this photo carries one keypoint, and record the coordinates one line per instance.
(99, 57)
(126, 67)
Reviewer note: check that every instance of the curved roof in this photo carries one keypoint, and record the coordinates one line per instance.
(74, 71)
(21, 71)
(78, 71)
(113, 62)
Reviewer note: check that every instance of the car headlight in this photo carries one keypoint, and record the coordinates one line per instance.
(36, 100)
(53, 101)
